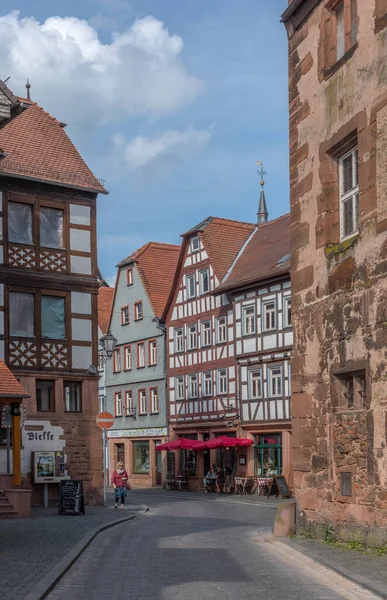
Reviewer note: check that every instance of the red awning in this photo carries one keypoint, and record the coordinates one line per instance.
(182, 444)
(224, 441)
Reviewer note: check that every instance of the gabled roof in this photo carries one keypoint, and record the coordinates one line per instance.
(105, 302)
(9, 385)
(39, 149)
(156, 264)
(267, 254)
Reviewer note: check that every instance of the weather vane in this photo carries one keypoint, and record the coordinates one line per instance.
(261, 172)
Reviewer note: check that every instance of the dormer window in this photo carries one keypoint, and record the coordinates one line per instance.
(195, 244)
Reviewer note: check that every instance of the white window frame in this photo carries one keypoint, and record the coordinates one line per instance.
(179, 387)
(128, 358)
(202, 273)
(193, 380)
(192, 336)
(222, 382)
(207, 384)
(125, 320)
(273, 392)
(128, 402)
(287, 311)
(194, 239)
(351, 195)
(188, 280)
(266, 313)
(178, 340)
(255, 376)
(153, 353)
(221, 327)
(141, 355)
(118, 404)
(142, 408)
(138, 311)
(154, 400)
(249, 323)
(206, 334)
(117, 360)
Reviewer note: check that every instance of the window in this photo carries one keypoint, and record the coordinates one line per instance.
(118, 404)
(153, 352)
(340, 32)
(179, 387)
(51, 227)
(346, 12)
(193, 386)
(269, 320)
(141, 457)
(20, 223)
(207, 384)
(204, 282)
(221, 330)
(72, 396)
(190, 284)
(179, 340)
(192, 341)
(129, 276)
(138, 314)
(287, 312)
(125, 315)
(352, 390)
(206, 333)
(154, 400)
(117, 360)
(142, 409)
(127, 358)
(248, 319)
(22, 318)
(275, 381)
(129, 403)
(268, 455)
(140, 355)
(255, 384)
(53, 318)
(195, 244)
(45, 391)
(222, 381)
(349, 194)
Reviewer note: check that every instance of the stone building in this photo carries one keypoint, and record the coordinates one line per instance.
(48, 296)
(338, 160)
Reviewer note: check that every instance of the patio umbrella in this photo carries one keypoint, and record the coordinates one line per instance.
(224, 441)
(182, 444)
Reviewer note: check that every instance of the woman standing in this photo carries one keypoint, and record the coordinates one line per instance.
(119, 481)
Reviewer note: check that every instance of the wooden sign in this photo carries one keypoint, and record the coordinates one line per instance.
(279, 487)
(71, 501)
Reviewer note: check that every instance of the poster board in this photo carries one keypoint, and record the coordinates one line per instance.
(279, 487)
(171, 463)
(71, 500)
(48, 467)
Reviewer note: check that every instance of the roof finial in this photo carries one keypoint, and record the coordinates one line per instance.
(262, 213)
(28, 86)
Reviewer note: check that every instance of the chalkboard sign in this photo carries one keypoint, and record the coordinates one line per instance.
(171, 463)
(71, 501)
(279, 487)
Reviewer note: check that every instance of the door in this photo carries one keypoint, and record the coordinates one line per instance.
(159, 464)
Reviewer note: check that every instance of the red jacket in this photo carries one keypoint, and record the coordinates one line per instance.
(117, 479)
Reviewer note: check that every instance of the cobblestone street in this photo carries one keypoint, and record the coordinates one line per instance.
(193, 549)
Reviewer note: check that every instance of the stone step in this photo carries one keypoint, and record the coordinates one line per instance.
(9, 514)
(3, 500)
(6, 507)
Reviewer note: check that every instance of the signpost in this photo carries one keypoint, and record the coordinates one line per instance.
(104, 420)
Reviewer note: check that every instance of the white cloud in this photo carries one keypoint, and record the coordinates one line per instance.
(165, 149)
(84, 81)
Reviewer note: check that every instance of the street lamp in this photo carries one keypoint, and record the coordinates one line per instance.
(108, 344)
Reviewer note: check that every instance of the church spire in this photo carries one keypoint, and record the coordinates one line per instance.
(262, 213)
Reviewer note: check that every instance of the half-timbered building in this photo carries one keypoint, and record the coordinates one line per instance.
(201, 367)
(49, 290)
(135, 378)
(259, 286)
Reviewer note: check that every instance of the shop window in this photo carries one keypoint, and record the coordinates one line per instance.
(141, 457)
(188, 459)
(268, 455)
(20, 223)
(53, 318)
(72, 396)
(248, 319)
(120, 453)
(45, 395)
(51, 227)
(22, 317)
(349, 194)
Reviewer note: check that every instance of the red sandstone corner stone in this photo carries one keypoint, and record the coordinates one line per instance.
(302, 279)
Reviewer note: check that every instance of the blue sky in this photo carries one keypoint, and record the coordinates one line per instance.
(171, 102)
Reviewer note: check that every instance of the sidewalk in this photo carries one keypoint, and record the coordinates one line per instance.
(30, 548)
(368, 570)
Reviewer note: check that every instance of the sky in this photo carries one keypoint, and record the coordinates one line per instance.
(171, 102)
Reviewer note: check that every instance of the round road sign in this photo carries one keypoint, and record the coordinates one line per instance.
(105, 420)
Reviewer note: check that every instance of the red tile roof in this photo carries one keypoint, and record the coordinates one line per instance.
(156, 264)
(38, 148)
(105, 302)
(9, 385)
(266, 254)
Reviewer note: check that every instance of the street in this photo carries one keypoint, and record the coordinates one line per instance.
(195, 548)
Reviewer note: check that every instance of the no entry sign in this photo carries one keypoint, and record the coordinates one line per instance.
(105, 420)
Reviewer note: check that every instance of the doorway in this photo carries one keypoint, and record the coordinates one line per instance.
(159, 464)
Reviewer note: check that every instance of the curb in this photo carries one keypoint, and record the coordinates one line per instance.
(367, 584)
(45, 585)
